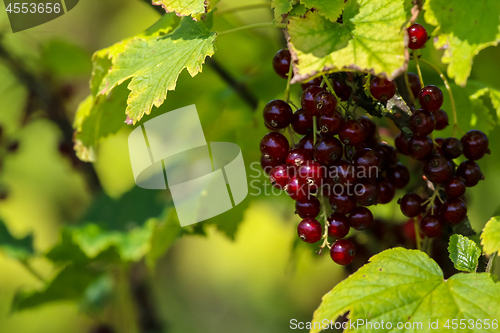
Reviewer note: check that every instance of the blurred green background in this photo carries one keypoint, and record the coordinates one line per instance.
(256, 283)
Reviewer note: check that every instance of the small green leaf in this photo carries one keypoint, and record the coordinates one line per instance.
(464, 28)
(490, 237)
(19, 249)
(281, 8)
(331, 9)
(195, 8)
(400, 285)
(154, 64)
(370, 40)
(164, 233)
(464, 253)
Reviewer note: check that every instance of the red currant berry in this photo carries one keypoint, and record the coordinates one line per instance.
(281, 63)
(438, 169)
(431, 226)
(420, 147)
(307, 100)
(296, 158)
(328, 150)
(417, 36)
(475, 144)
(342, 203)
(314, 82)
(311, 173)
(325, 103)
(470, 172)
(309, 230)
(411, 205)
(386, 191)
(342, 90)
(277, 114)
(422, 122)
(441, 118)
(368, 125)
(399, 175)
(415, 84)
(451, 148)
(382, 89)
(455, 187)
(267, 164)
(331, 124)
(402, 143)
(430, 98)
(308, 208)
(366, 193)
(361, 218)
(387, 154)
(352, 133)
(342, 172)
(342, 252)
(454, 211)
(296, 191)
(366, 161)
(279, 176)
(302, 122)
(338, 226)
(274, 146)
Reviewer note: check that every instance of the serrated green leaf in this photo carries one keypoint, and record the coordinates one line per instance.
(195, 8)
(481, 116)
(331, 9)
(490, 237)
(400, 285)
(370, 40)
(464, 253)
(281, 8)
(154, 64)
(465, 28)
(164, 233)
(15, 248)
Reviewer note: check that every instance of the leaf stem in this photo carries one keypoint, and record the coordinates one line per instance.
(289, 78)
(417, 235)
(432, 199)
(415, 56)
(33, 272)
(315, 128)
(240, 8)
(253, 26)
(490, 262)
(452, 100)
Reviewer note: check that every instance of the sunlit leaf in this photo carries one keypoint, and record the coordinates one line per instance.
(464, 253)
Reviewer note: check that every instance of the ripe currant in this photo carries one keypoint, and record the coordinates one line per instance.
(417, 36)
(411, 204)
(360, 218)
(399, 175)
(455, 187)
(277, 114)
(308, 208)
(343, 252)
(430, 98)
(441, 118)
(309, 230)
(281, 63)
(307, 143)
(307, 100)
(352, 133)
(342, 203)
(331, 124)
(279, 176)
(470, 172)
(438, 169)
(338, 225)
(302, 122)
(420, 147)
(475, 144)
(431, 225)
(454, 211)
(274, 146)
(422, 122)
(451, 148)
(382, 89)
(325, 103)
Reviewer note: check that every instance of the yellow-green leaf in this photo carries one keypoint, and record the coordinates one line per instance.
(464, 253)
(490, 238)
(331, 9)
(195, 8)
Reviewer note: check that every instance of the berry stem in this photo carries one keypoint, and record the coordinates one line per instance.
(415, 56)
(452, 100)
(327, 224)
(417, 235)
(315, 128)
(240, 8)
(289, 78)
(253, 26)
(330, 88)
(432, 199)
(490, 262)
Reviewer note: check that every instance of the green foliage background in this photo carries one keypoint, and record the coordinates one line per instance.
(254, 278)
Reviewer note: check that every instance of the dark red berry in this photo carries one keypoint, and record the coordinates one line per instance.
(368, 125)
(281, 63)
(342, 90)
(417, 36)
(366, 193)
(307, 143)
(352, 133)
(451, 148)
(308, 208)
(454, 211)
(470, 172)
(296, 158)
(297, 191)
(422, 122)
(475, 144)
(274, 146)
(302, 122)
(455, 187)
(420, 147)
(382, 89)
(342, 203)
(314, 82)
(360, 218)
(439, 143)
(309, 230)
(267, 164)
(399, 175)
(438, 169)
(366, 161)
(342, 172)
(415, 84)
(307, 100)
(430, 98)
(311, 173)
(431, 226)
(338, 225)
(342, 252)
(386, 191)
(441, 118)
(277, 114)
(387, 155)
(411, 205)
(279, 176)
(328, 150)
(402, 143)
(325, 103)
(331, 124)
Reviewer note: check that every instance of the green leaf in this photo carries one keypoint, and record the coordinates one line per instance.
(370, 40)
(281, 8)
(65, 59)
(163, 235)
(490, 237)
(19, 249)
(464, 28)
(464, 253)
(154, 64)
(400, 285)
(195, 8)
(331, 9)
